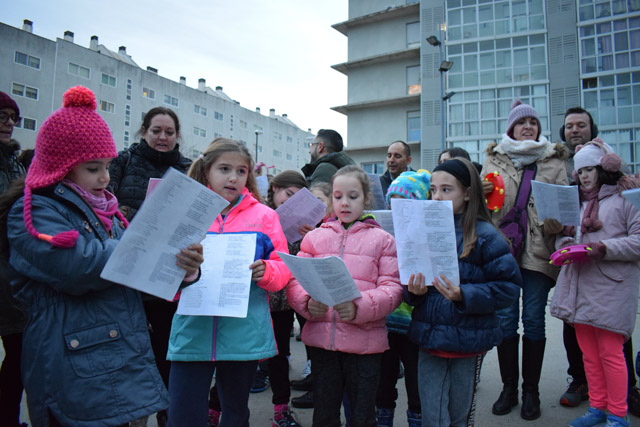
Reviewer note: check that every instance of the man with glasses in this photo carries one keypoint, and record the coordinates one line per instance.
(12, 319)
(326, 157)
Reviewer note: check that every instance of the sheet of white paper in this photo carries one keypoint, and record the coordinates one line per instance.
(560, 202)
(303, 208)
(425, 239)
(177, 213)
(223, 288)
(633, 196)
(385, 219)
(379, 198)
(325, 279)
(263, 185)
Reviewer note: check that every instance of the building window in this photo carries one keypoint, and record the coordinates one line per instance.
(277, 153)
(200, 110)
(170, 100)
(413, 126)
(277, 135)
(373, 167)
(289, 157)
(107, 107)
(218, 116)
(243, 124)
(195, 153)
(23, 90)
(108, 80)
(148, 93)
(127, 115)
(128, 89)
(79, 70)
(28, 60)
(126, 138)
(199, 132)
(413, 80)
(289, 140)
(28, 124)
(413, 34)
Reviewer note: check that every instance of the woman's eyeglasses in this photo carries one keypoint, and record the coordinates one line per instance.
(4, 118)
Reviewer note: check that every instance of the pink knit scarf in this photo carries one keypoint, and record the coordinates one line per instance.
(590, 221)
(104, 206)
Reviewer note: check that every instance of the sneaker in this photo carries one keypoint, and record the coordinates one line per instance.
(615, 421)
(577, 392)
(302, 385)
(307, 370)
(633, 400)
(591, 418)
(260, 382)
(285, 419)
(304, 401)
(214, 418)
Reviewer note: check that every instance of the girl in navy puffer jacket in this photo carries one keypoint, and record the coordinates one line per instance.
(455, 325)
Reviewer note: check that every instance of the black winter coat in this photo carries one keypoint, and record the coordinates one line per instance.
(131, 170)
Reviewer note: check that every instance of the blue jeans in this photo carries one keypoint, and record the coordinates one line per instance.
(535, 292)
(189, 384)
(447, 389)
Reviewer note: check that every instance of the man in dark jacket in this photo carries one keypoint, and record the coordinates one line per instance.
(398, 161)
(12, 318)
(326, 157)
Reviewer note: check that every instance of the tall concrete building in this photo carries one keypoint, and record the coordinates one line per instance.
(37, 71)
(413, 67)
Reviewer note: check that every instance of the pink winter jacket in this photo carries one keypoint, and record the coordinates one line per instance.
(604, 293)
(370, 256)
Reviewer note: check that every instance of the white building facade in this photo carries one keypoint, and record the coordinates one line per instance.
(552, 54)
(37, 71)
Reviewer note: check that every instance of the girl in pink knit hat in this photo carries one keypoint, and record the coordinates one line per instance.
(87, 359)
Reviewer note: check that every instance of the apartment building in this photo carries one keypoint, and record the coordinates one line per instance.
(37, 71)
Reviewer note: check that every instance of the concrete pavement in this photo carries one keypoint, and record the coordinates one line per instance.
(552, 384)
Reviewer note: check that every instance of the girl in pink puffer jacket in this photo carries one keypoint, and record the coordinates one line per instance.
(346, 341)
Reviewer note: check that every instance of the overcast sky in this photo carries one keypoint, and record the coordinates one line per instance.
(268, 54)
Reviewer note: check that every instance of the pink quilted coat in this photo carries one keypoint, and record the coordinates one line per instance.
(370, 256)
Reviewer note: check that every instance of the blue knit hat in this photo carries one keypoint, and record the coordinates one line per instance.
(520, 111)
(410, 185)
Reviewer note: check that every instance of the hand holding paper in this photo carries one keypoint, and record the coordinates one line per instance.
(190, 258)
(316, 308)
(416, 284)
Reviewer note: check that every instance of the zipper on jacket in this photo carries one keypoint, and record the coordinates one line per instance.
(333, 322)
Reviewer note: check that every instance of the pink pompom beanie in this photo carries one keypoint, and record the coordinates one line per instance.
(520, 111)
(72, 135)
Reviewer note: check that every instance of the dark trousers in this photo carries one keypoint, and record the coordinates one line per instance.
(333, 373)
(574, 356)
(189, 390)
(279, 364)
(159, 317)
(11, 380)
(401, 349)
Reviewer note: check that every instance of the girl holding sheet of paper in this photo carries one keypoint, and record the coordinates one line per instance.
(231, 346)
(455, 325)
(600, 296)
(87, 356)
(347, 340)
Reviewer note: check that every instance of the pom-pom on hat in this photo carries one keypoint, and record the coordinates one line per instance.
(7, 102)
(410, 185)
(520, 111)
(597, 153)
(72, 135)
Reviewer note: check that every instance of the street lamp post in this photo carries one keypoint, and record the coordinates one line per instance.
(258, 132)
(444, 67)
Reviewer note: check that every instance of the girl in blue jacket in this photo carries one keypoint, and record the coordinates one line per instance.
(86, 358)
(456, 325)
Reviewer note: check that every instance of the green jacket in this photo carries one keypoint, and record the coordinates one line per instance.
(322, 169)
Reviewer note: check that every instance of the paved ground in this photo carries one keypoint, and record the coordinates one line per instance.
(552, 385)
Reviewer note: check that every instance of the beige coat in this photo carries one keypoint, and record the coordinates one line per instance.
(550, 169)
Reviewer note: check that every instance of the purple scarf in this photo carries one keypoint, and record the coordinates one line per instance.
(590, 221)
(104, 206)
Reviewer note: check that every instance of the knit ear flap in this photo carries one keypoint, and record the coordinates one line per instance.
(66, 239)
